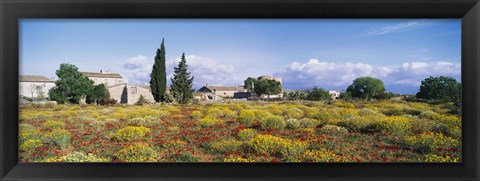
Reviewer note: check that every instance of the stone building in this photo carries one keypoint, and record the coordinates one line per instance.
(219, 92)
(104, 77)
(129, 94)
(334, 94)
(35, 86)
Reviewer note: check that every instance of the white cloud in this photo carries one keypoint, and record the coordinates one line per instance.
(136, 70)
(333, 75)
(400, 27)
(208, 71)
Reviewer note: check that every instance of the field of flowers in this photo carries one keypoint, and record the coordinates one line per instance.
(387, 131)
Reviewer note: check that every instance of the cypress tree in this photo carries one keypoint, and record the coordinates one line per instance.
(182, 82)
(158, 77)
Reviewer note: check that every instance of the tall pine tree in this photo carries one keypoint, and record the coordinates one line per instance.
(182, 83)
(158, 77)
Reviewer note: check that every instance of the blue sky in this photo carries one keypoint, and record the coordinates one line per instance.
(327, 53)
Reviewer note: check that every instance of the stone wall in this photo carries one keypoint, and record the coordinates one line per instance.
(27, 88)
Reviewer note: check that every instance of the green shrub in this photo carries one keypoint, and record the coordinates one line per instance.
(216, 112)
(333, 130)
(208, 122)
(53, 125)
(196, 115)
(98, 125)
(31, 144)
(293, 123)
(138, 152)
(246, 117)
(60, 137)
(268, 144)
(147, 121)
(294, 113)
(184, 157)
(273, 123)
(396, 125)
(246, 134)
(308, 123)
(131, 133)
(261, 114)
(78, 156)
(227, 146)
(429, 142)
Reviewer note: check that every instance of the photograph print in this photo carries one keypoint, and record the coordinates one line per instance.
(240, 90)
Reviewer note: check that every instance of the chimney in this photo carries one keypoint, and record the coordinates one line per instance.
(105, 71)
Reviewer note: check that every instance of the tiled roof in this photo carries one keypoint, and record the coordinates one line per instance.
(34, 78)
(102, 75)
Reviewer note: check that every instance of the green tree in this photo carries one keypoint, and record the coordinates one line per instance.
(366, 88)
(71, 86)
(267, 87)
(182, 83)
(99, 93)
(249, 83)
(158, 77)
(441, 88)
(317, 94)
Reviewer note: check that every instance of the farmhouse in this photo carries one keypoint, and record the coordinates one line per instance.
(104, 77)
(35, 86)
(334, 94)
(220, 92)
(129, 94)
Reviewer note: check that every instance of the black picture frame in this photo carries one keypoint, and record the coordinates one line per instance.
(13, 10)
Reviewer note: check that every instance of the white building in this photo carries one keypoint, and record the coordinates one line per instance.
(334, 94)
(35, 86)
(129, 94)
(219, 92)
(104, 77)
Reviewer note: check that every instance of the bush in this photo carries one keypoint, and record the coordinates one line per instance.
(53, 125)
(30, 145)
(322, 155)
(227, 146)
(333, 130)
(268, 144)
(147, 121)
(215, 112)
(196, 115)
(261, 114)
(98, 125)
(138, 152)
(141, 101)
(232, 158)
(208, 122)
(440, 159)
(184, 157)
(131, 133)
(396, 125)
(430, 142)
(78, 156)
(246, 117)
(293, 123)
(60, 137)
(308, 123)
(246, 134)
(294, 113)
(273, 123)
(110, 101)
